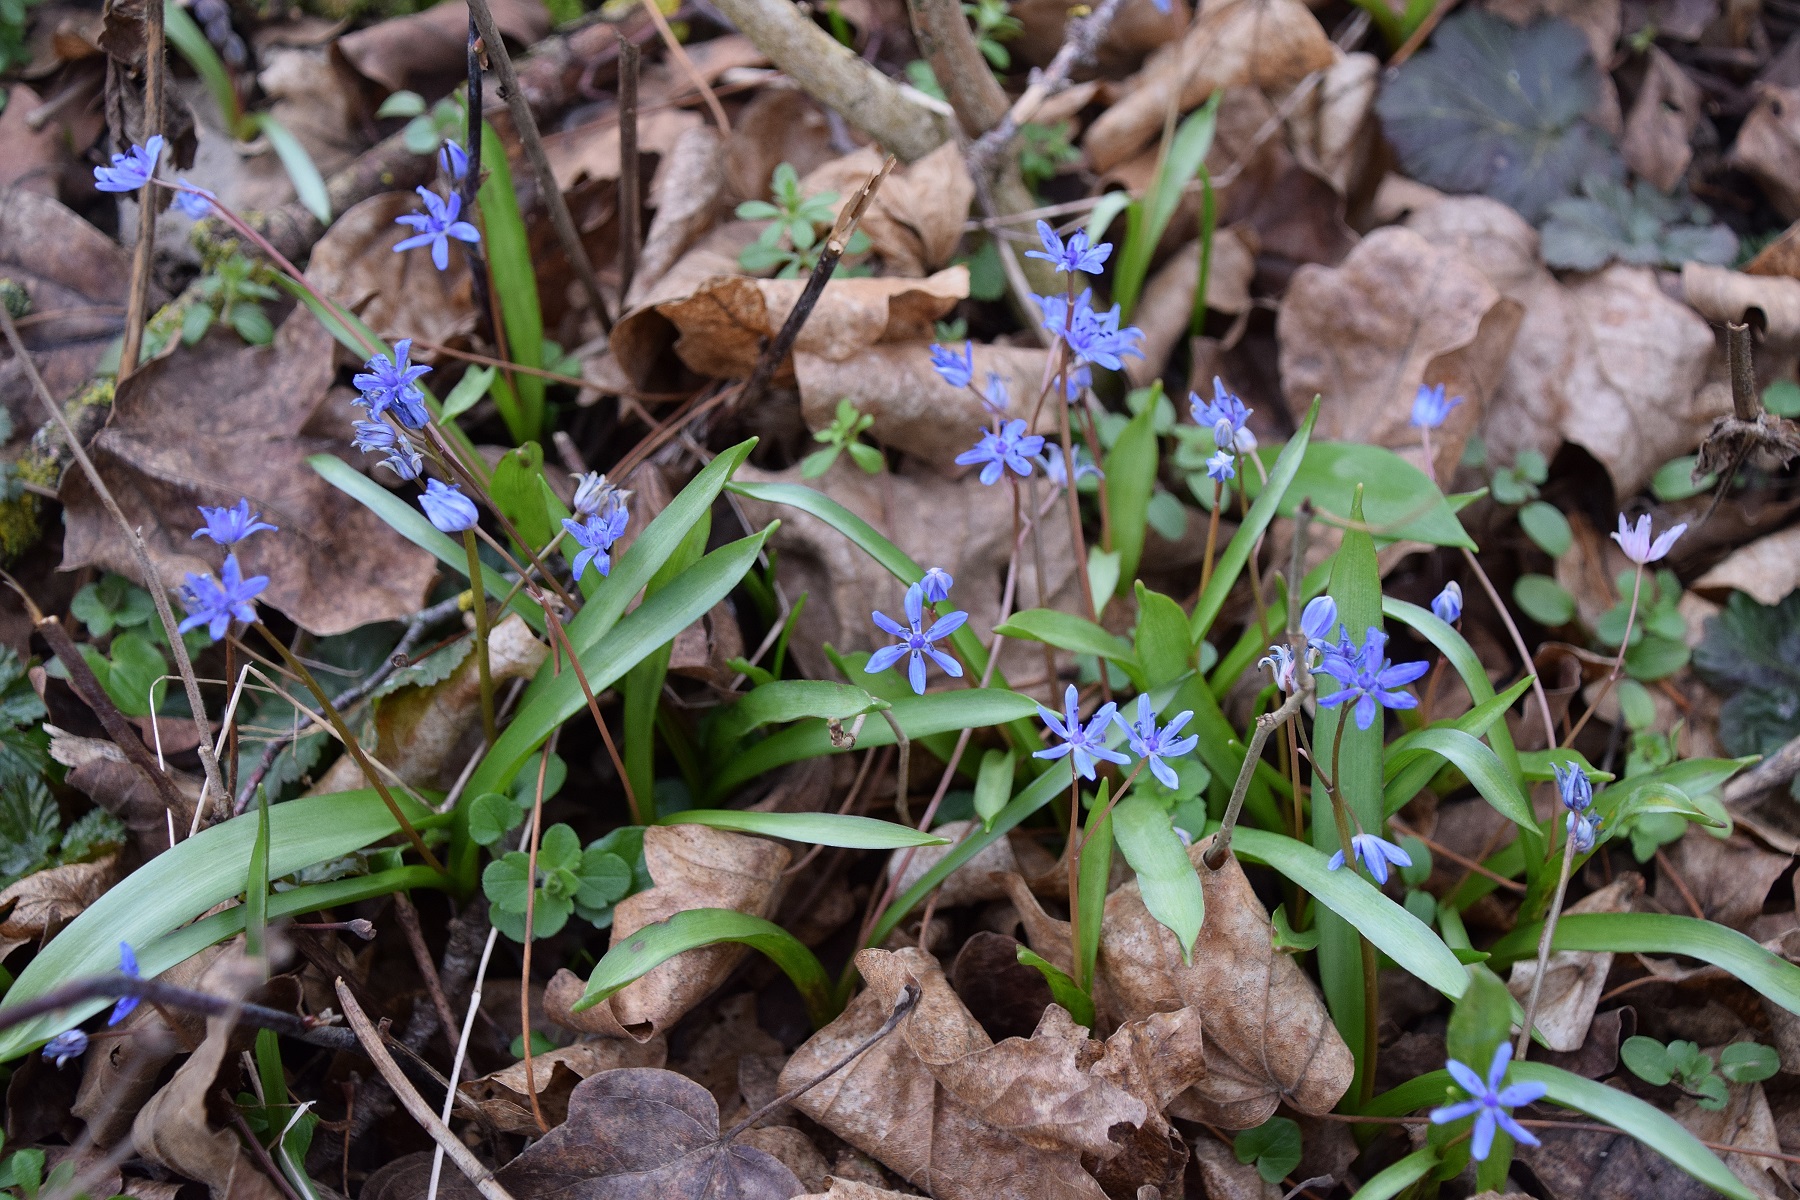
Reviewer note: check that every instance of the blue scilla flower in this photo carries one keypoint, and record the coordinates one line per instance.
(1221, 467)
(1583, 828)
(1077, 254)
(1447, 605)
(1430, 409)
(1488, 1102)
(1317, 620)
(230, 525)
(957, 369)
(455, 162)
(916, 641)
(131, 170)
(391, 385)
(436, 226)
(1225, 414)
(1092, 337)
(1572, 783)
(1366, 678)
(1011, 447)
(1155, 745)
(1077, 381)
(373, 435)
(937, 584)
(195, 203)
(128, 964)
(594, 493)
(1280, 661)
(596, 535)
(215, 604)
(70, 1043)
(995, 397)
(1374, 853)
(447, 507)
(1052, 462)
(1085, 744)
(405, 461)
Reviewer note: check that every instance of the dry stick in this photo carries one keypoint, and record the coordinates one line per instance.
(1543, 951)
(631, 208)
(1078, 47)
(1265, 725)
(525, 125)
(261, 1152)
(138, 303)
(415, 941)
(1518, 641)
(462, 1047)
(537, 832)
(415, 1105)
(208, 760)
(776, 352)
(680, 54)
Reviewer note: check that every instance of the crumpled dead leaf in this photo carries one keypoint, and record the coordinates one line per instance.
(780, 125)
(1768, 147)
(847, 1189)
(1747, 1121)
(425, 735)
(642, 339)
(686, 192)
(915, 410)
(1265, 43)
(211, 423)
(1768, 569)
(396, 295)
(1167, 305)
(1269, 1038)
(1331, 133)
(1575, 979)
(1223, 1177)
(315, 97)
(793, 1149)
(1730, 877)
(1396, 313)
(951, 1111)
(426, 52)
(40, 904)
(916, 219)
(1720, 295)
(1662, 122)
(505, 1095)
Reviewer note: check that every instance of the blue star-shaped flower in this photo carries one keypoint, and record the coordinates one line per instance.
(447, 507)
(1447, 605)
(1092, 337)
(1583, 827)
(1055, 472)
(1635, 540)
(1221, 467)
(436, 226)
(916, 641)
(596, 535)
(1155, 745)
(1374, 853)
(391, 385)
(1430, 409)
(215, 604)
(1367, 678)
(937, 584)
(70, 1043)
(129, 965)
(228, 525)
(1074, 255)
(956, 369)
(1011, 447)
(1488, 1102)
(131, 170)
(1086, 745)
(1225, 414)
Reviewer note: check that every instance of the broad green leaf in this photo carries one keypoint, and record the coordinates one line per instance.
(517, 494)
(1064, 990)
(793, 700)
(1164, 648)
(817, 828)
(636, 956)
(918, 716)
(1399, 500)
(180, 884)
(309, 185)
(1130, 479)
(1408, 767)
(1544, 600)
(1103, 576)
(1480, 765)
(1066, 631)
(1274, 1146)
(468, 391)
(1166, 878)
(644, 681)
(1544, 524)
(993, 783)
(508, 252)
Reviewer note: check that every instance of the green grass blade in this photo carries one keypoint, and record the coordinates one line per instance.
(1130, 481)
(650, 947)
(1475, 760)
(256, 884)
(515, 286)
(1388, 1183)
(1467, 665)
(1187, 151)
(1063, 989)
(1066, 631)
(788, 700)
(814, 828)
(190, 42)
(1096, 870)
(309, 185)
(189, 940)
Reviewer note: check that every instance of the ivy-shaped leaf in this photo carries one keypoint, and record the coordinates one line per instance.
(1750, 655)
(1637, 225)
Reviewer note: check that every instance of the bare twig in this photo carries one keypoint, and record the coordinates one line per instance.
(138, 302)
(537, 833)
(1265, 725)
(945, 40)
(1543, 950)
(1079, 44)
(525, 125)
(415, 941)
(679, 53)
(415, 1105)
(631, 200)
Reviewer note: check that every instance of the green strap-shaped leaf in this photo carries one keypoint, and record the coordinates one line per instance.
(650, 947)
(1394, 1179)
(817, 828)
(1166, 878)
(1064, 990)
(1477, 762)
(309, 185)
(1403, 758)
(1467, 664)
(1129, 483)
(1066, 631)
(515, 284)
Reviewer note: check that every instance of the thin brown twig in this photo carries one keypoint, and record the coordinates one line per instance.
(1079, 44)
(138, 302)
(261, 1154)
(1687, 893)
(631, 206)
(680, 55)
(434, 986)
(1468, 864)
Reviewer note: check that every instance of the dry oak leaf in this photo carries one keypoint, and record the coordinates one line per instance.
(1574, 979)
(643, 336)
(916, 219)
(37, 906)
(505, 1095)
(966, 1118)
(1331, 133)
(1398, 312)
(1662, 122)
(1267, 44)
(1747, 1121)
(1721, 295)
(218, 421)
(687, 194)
(721, 327)
(1269, 1038)
(915, 410)
(1768, 569)
(780, 125)
(400, 295)
(1768, 147)
(426, 52)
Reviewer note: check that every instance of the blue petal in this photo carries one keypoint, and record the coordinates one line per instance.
(884, 658)
(1454, 1112)
(915, 673)
(950, 666)
(1483, 1142)
(1518, 1131)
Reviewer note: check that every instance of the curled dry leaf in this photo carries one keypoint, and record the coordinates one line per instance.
(590, 152)
(780, 125)
(1768, 569)
(686, 192)
(209, 424)
(1330, 133)
(953, 1112)
(642, 339)
(1730, 877)
(37, 906)
(1398, 312)
(693, 867)
(1722, 295)
(1268, 1037)
(916, 219)
(914, 409)
(722, 326)
(1265, 43)
(793, 1149)
(397, 295)
(426, 52)
(1768, 147)
(1746, 1121)
(1662, 122)
(505, 1095)
(99, 768)
(425, 735)
(1575, 979)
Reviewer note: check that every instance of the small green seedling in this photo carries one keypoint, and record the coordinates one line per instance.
(840, 436)
(1683, 1064)
(791, 242)
(1274, 1146)
(1519, 483)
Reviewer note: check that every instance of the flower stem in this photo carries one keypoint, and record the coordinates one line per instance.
(1543, 951)
(478, 604)
(1618, 667)
(1212, 537)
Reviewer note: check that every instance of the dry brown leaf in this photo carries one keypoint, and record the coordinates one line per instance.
(1574, 979)
(315, 97)
(969, 882)
(722, 325)
(1768, 569)
(1768, 147)
(396, 295)
(780, 125)
(1722, 295)
(590, 152)
(846, 1189)
(1331, 133)
(1779, 257)
(642, 339)
(505, 1095)
(916, 219)
(687, 193)
(951, 1111)
(1268, 1037)
(1265, 43)
(1730, 877)
(1746, 1121)
(426, 52)
(1167, 305)
(1662, 122)
(1397, 313)
(425, 735)
(1223, 1177)
(914, 409)
(31, 160)
(40, 904)
(793, 1149)
(214, 422)
(1005, 995)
